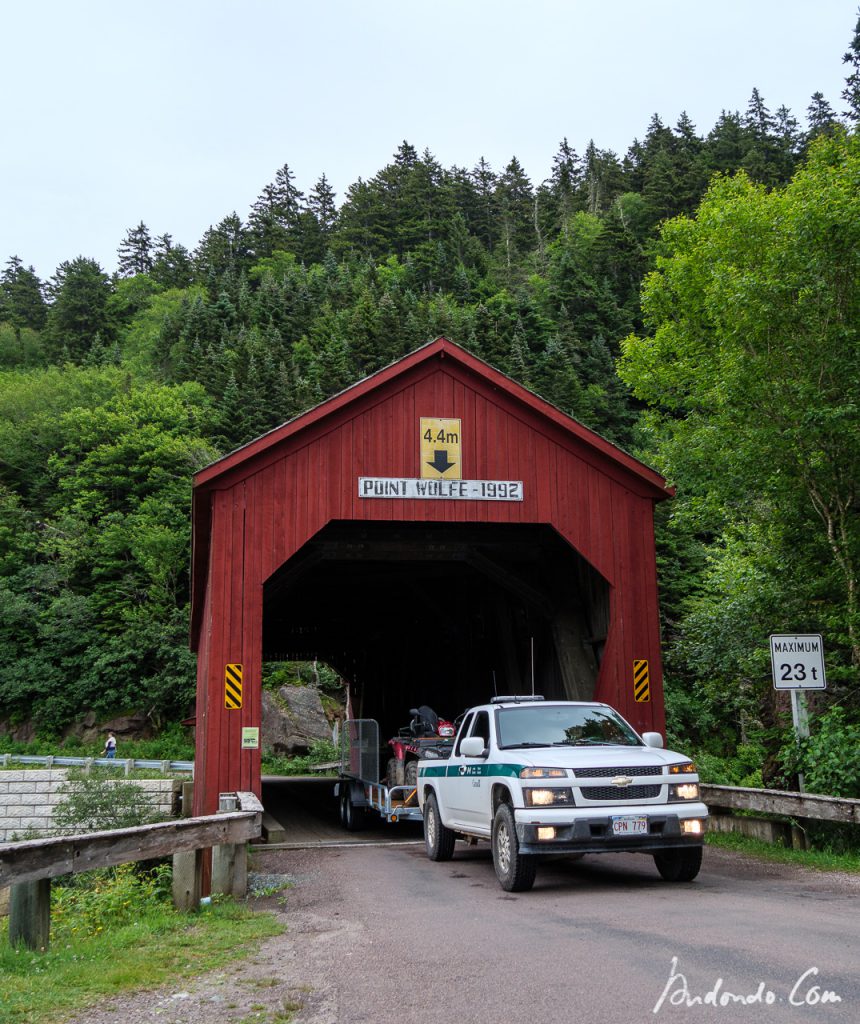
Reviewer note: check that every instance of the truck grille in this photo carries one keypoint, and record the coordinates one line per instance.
(620, 792)
(608, 773)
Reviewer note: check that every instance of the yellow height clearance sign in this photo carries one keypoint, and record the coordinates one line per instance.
(440, 449)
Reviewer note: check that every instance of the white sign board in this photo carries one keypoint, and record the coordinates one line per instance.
(798, 661)
(450, 490)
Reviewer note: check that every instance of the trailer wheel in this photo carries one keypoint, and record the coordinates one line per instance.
(438, 840)
(515, 872)
(679, 865)
(354, 818)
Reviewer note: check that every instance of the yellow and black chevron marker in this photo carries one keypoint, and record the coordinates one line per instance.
(233, 687)
(641, 681)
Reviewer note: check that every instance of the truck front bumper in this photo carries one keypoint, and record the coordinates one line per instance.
(592, 831)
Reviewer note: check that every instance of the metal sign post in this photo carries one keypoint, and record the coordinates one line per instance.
(797, 661)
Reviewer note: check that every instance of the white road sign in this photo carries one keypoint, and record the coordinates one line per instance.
(798, 661)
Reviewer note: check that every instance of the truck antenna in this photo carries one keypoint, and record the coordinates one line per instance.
(495, 688)
(533, 665)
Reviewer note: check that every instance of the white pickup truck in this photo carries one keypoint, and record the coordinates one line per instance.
(540, 777)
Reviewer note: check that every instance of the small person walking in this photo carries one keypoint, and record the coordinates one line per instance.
(110, 746)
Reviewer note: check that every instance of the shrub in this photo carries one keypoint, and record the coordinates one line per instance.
(96, 801)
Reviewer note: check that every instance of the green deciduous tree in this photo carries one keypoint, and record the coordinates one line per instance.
(752, 364)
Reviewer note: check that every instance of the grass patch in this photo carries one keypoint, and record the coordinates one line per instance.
(159, 946)
(821, 860)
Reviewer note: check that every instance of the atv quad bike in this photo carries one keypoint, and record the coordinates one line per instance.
(425, 732)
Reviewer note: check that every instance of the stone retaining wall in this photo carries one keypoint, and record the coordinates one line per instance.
(28, 799)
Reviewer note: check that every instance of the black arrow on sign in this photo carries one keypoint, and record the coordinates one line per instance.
(440, 462)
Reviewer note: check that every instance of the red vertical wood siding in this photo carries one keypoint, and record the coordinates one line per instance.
(267, 504)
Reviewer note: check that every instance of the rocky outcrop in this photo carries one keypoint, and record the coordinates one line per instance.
(90, 729)
(293, 718)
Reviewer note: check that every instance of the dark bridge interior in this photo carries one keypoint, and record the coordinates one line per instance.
(439, 614)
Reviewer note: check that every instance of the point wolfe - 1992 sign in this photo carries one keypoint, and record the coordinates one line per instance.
(439, 449)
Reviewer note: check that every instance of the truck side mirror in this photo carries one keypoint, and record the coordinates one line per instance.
(652, 739)
(472, 746)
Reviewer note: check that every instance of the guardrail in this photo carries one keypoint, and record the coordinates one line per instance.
(774, 801)
(128, 764)
(29, 866)
(794, 810)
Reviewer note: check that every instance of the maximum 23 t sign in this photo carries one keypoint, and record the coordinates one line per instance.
(798, 661)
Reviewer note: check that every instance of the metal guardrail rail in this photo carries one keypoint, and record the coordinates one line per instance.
(128, 764)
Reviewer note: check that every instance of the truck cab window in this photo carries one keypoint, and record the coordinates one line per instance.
(464, 732)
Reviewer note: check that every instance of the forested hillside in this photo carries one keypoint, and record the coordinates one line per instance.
(738, 379)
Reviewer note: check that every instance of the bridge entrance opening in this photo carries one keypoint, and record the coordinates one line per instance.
(443, 614)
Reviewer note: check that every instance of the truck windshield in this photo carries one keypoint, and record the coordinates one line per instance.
(552, 725)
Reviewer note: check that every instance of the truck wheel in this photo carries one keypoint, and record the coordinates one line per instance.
(679, 865)
(515, 872)
(411, 774)
(438, 840)
(354, 818)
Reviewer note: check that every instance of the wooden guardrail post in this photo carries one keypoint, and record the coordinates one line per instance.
(230, 860)
(187, 879)
(187, 884)
(30, 913)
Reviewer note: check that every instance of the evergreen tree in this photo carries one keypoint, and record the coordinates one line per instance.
(321, 203)
(223, 249)
(851, 92)
(602, 180)
(726, 144)
(485, 220)
(821, 118)
(78, 316)
(134, 255)
(690, 171)
(565, 182)
(515, 201)
(171, 265)
(274, 217)
(22, 303)
(761, 159)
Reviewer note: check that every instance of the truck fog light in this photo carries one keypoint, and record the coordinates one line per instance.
(692, 827)
(545, 832)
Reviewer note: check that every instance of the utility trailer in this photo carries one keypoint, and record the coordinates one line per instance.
(359, 790)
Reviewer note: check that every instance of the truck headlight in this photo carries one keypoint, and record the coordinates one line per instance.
(682, 768)
(560, 797)
(692, 827)
(685, 791)
(543, 773)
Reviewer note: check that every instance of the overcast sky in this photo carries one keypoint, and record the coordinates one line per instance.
(177, 112)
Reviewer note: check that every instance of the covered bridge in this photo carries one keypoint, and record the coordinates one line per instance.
(436, 533)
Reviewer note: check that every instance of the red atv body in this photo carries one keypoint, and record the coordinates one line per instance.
(426, 731)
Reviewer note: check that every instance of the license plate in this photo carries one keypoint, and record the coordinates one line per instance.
(630, 825)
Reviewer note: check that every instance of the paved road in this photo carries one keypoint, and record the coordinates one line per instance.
(381, 934)
(308, 811)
